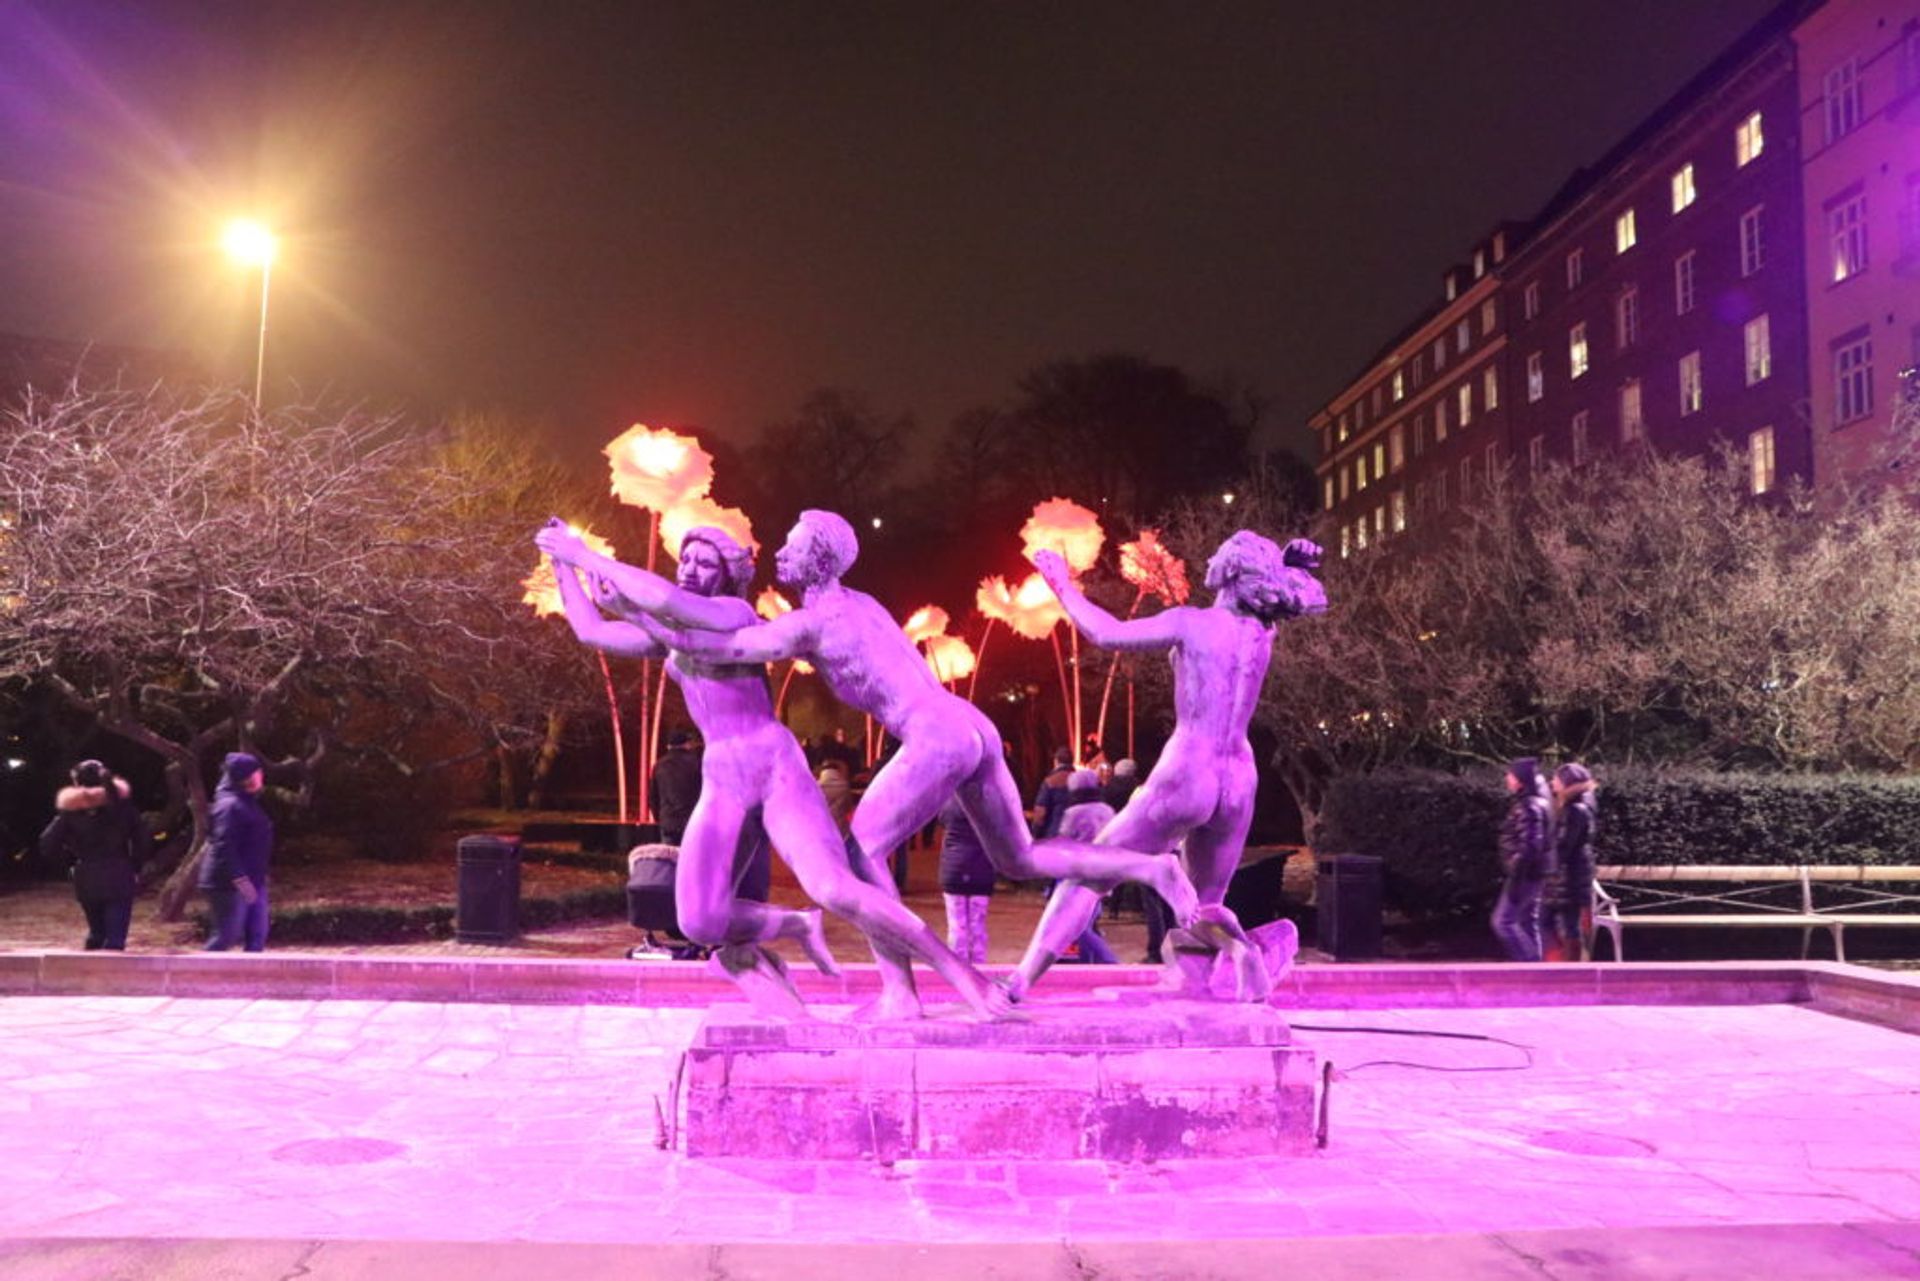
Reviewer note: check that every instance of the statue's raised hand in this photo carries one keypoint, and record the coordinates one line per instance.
(560, 542)
(1303, 553)
(1053, 568)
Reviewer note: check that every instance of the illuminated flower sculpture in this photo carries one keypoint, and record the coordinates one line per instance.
(543, 593)
(658, 469)
(1153, 570)
(701, 511)
(951, 659)
(926, 623)
(1064, 526)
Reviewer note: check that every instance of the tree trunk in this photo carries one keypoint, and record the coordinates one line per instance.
(544, 761)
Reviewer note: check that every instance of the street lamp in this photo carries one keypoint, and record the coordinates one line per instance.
(251, 244)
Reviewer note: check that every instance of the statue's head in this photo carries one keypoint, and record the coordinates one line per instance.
(713, 564)
(820, 547)
(1254, 572)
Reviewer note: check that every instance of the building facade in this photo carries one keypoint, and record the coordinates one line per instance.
(1659, 300)
(1859, 130)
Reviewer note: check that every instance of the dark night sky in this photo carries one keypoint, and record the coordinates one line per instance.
(695, 213)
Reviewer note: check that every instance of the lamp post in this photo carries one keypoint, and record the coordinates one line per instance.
(252, 245)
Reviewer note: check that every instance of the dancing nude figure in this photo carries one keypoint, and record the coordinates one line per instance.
(947, 745)
(1200, 794)
(751, 760)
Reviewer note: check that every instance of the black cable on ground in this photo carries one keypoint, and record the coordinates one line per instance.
(1526, 1050)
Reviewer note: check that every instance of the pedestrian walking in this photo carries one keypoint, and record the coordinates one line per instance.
(239, 850)
(1576, 808)
(966, 883)
(1526, 854)
(1081, 819)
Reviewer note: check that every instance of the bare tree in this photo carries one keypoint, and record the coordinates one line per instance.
(186, 570)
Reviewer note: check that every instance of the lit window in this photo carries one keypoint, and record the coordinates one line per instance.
(1345, 428)
(1439, 421)
(1683, 294)
(1625, 235)
(1466, 403)
(1479, 263)
(1748, 141)
(1843, 100)
(1576, 268)
(1633, 423)
(1536, 453)
(1397, 446)
(1326, 493)
(1487, 315)
(1760, 460)
(1439, 353)
(1490, 388)
(1399, 386)
(1530, 300)
(1379, 521)
(1690, 384)
(1346, 541)
(1683, 192)
(1346, 484)
(1577, 349)
(1759, 344)
(1462, 334)
(1847, 234)
(1753, 253)
(1536, 378)
(1398, 505)
(1379, 459)
(1853, 381)
(1360, 474)
(1579, 437)
(1626, 318)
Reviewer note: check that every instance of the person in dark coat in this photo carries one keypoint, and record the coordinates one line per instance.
(674, 789)
(1050, 801)
(1576, 816)
(239, 849)
(1118, 790)
(98, 833)
(1082, 819)
(966, 883)
(1526, 852)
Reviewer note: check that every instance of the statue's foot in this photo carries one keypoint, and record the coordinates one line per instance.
(762, 979)
(1240, 974)
(1187, 967)
(813, 941)
(993, 1003)
(1279, 943)
(1169, 880)
(1014, 985)
(891, 1006)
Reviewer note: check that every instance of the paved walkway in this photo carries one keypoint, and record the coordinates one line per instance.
(152, 1118)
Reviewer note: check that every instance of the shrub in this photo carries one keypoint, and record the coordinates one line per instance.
(1437, 832)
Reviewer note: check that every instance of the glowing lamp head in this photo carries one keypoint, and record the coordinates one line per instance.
(249, 242)
(1060, 525)
(658, 469)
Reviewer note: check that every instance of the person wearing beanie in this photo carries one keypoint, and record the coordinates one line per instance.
(1526, 852)
(1118, 790)
(233, 871)
(674, 789)
(967, 881)
(1050, 801)
(98, 834)
(1576, 809)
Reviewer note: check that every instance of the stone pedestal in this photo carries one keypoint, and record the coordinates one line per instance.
(1130, 1079)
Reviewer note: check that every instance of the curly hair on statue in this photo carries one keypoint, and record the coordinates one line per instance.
(1266, 585)
(836, 546)
(736, 562)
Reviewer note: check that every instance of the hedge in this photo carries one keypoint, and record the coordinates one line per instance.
(1437, 832)
(420, 923)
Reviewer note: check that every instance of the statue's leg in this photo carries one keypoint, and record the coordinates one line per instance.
(902, 798)
(1213, 853)
(703, 897)
(1085, 871)
(804, 832)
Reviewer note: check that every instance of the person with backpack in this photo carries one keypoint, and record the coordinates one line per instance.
(1526, 853)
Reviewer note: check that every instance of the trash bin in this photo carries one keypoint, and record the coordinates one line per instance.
(1347, 906)
(488, 903)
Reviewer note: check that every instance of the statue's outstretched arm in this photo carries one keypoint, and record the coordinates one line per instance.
(621, 639)
(630, 590)
(788, 636)
(1159, 631)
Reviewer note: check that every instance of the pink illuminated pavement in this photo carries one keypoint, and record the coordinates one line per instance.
(143, 1134)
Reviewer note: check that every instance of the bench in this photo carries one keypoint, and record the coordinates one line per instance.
(1830, 898)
